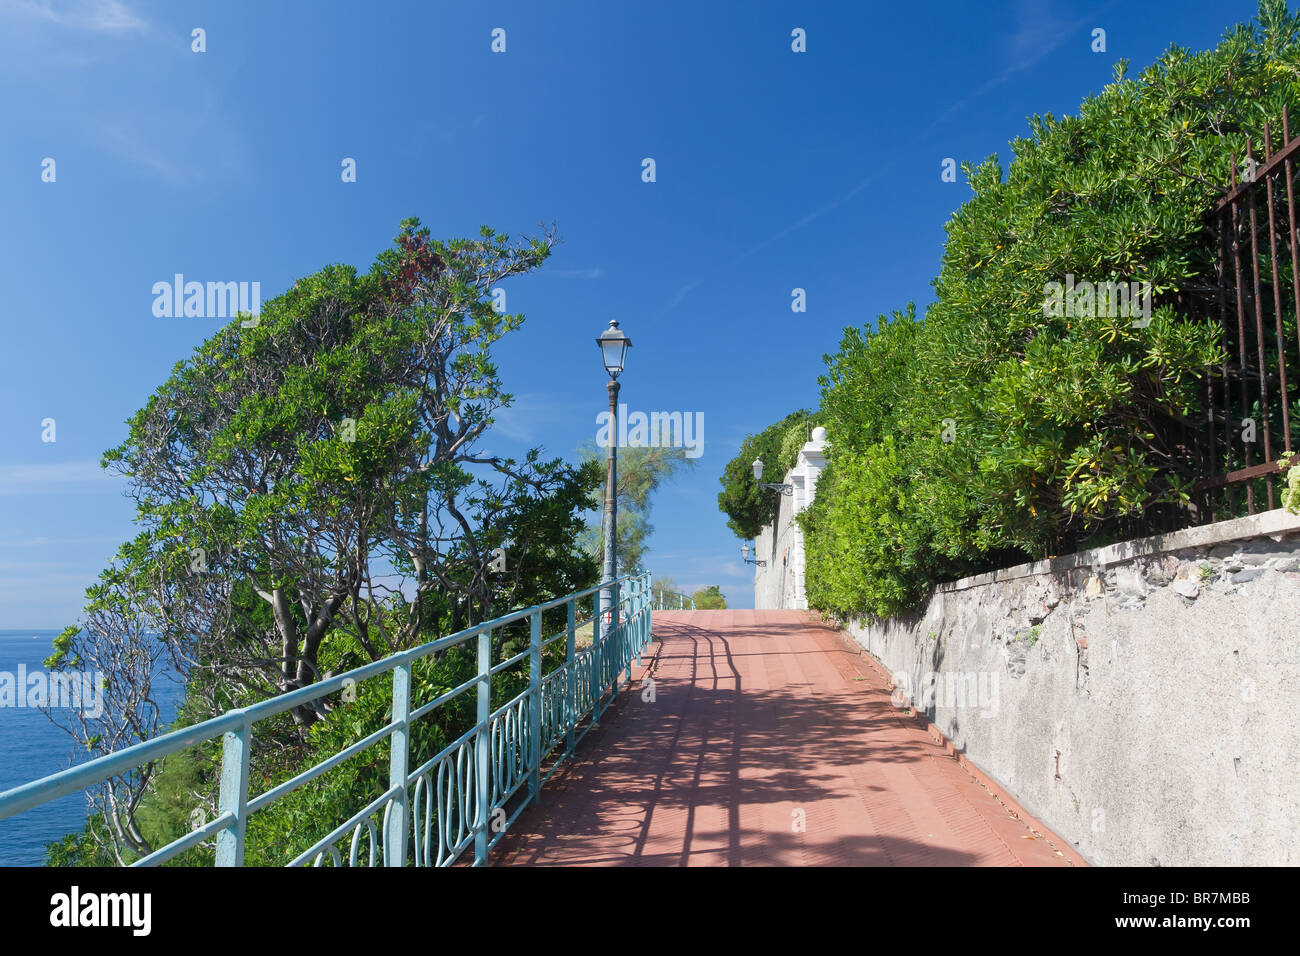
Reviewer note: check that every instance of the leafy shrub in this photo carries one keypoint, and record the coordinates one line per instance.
(994, 431)
(710, 599)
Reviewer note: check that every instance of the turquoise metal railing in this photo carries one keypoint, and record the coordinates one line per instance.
(662, 600)
(458, 798)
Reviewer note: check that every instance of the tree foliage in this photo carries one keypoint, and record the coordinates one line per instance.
(642, 470)
(993, 431)
(710, 599)
(747, 506)
(312, 496)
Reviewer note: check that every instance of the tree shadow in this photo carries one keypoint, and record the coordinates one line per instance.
(714, 772)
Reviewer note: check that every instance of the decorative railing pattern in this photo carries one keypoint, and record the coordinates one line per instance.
(462, 796)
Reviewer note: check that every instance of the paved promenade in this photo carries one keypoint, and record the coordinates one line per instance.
(769, 741)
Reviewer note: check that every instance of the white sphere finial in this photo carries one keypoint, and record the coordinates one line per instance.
(819, 434)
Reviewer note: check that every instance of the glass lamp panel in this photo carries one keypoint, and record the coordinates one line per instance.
(612, 352)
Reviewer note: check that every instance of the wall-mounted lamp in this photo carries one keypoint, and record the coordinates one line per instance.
(778, 488)
(746, 551)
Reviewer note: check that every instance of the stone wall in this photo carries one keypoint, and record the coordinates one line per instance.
(1142, 700)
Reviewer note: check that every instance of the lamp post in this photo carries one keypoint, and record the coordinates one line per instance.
(613, 351)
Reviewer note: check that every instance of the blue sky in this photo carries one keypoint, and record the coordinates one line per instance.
(775, 170)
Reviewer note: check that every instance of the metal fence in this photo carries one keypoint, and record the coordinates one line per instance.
(663, 600)
(430, 814)
(1251, 402)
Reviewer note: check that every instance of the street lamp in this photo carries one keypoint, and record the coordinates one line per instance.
(777, 487)
(613, 352)
(745, 551)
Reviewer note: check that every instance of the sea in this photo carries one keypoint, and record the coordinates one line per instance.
(32, 746)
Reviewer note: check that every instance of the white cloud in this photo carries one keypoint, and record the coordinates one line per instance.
(532, 413)
(55, 477)
(1038, 34)
(683, 292)
(125, 138)
(98, 16)
(43, 541)
(592, 273)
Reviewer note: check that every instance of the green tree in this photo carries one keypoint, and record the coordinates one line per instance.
(748, 507)
(642, 470)
(710, 599)
(312, 496)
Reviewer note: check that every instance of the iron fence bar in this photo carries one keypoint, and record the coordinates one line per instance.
(1224, 373)
(1277, 302)
(1291, 223)
(1281, 156)
(1256, 308)
(1241, 332)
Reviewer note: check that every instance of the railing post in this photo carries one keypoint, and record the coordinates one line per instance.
(233, 798)
(621, 658)
(599, 641)
(636, 623)
(647, 626)
(482, 788)
(535, 705)
(571, 677)
(398, 764)
(619, 633)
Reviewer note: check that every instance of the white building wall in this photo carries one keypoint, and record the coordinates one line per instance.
(779, 583)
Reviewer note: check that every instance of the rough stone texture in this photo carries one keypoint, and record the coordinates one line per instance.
(1143, 707)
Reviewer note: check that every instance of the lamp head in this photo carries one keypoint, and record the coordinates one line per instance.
(613, 348)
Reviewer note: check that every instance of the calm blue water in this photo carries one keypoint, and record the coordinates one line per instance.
(31, 747)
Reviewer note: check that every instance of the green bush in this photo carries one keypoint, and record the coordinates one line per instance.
(710, 599)
(994, 431)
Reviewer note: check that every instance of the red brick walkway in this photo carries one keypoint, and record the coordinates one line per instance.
(763, 721)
